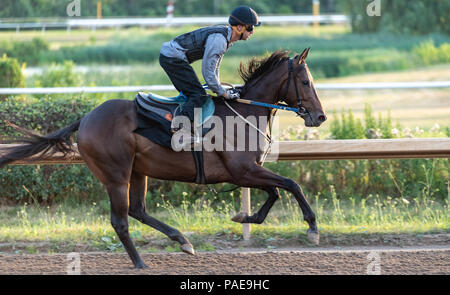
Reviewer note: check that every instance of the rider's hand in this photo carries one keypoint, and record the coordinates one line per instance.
(232, 94)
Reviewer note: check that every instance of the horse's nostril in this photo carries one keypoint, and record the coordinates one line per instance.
(322, 118)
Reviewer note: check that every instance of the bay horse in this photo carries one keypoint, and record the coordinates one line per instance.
(123, 160)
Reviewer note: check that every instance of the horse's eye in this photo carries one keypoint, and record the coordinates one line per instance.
(305, 82)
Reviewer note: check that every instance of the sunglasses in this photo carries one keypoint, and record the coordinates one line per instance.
(249, 28)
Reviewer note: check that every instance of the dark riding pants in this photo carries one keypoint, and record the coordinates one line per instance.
(185, 80)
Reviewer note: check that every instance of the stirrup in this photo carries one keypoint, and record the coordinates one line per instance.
(174, 125)
(178, 127)
(193, 139)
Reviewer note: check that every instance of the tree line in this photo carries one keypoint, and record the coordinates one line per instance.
(110, 8)
(399, 16)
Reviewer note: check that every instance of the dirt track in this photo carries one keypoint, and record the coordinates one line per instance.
(417, 260)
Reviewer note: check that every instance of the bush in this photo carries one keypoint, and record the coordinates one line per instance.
(359, 178)
(347, 127)
(11, 75)
(44, 115)
(59, 75)
(42, 183)
(28, 52)
(430, 54)
(407, 178)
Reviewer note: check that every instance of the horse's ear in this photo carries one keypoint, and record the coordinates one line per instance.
(304, 54)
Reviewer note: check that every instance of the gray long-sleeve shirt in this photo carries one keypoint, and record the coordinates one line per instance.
(215, 47)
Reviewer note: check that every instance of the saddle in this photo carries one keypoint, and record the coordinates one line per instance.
(154, 117)
(153, 102)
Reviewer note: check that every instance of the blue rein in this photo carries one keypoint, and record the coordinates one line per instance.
(263, 104)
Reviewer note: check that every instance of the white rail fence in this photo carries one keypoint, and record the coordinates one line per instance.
(324, 86)
(163, 21)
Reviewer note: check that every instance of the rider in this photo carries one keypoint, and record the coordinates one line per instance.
(208, 44)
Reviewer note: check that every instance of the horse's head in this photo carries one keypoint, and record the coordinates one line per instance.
(299, 91)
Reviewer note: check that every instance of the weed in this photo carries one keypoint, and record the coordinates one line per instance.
(171, 248)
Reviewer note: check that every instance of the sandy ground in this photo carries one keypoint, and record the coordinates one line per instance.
(289, 261)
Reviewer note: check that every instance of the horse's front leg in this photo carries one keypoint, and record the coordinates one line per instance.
(261, 215)
(257, 176)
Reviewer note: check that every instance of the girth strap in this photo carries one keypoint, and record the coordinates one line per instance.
(199, 168)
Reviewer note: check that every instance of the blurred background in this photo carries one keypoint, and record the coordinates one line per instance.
(56, 43)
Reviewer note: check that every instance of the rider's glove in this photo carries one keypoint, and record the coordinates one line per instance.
(232, 94)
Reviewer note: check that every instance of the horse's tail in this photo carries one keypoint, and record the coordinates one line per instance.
(33, 143)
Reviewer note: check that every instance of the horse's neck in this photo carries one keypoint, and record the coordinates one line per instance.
(266, 88)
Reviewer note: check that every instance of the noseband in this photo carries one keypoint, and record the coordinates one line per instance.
(302, 111)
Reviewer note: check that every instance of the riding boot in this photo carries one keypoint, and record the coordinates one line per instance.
(187, 110)
(195, 101)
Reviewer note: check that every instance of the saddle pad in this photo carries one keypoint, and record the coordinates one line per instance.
(151, 123)
(154, 118)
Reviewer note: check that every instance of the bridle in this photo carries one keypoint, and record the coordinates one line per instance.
(302, 111)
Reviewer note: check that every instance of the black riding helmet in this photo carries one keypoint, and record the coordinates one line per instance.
(243, 15)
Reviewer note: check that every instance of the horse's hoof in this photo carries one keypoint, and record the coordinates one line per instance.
(187, 248)
(313, 237)
(240, 217)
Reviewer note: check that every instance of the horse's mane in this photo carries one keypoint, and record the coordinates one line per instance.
(255, 67)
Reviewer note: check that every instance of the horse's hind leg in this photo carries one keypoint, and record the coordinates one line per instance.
(118, 194)
(115, 179)
(107, 144)
(138, 188)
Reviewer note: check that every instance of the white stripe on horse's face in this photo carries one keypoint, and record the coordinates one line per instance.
(310, 77)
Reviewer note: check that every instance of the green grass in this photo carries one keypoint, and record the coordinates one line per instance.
(335, 51)
(88, 223)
